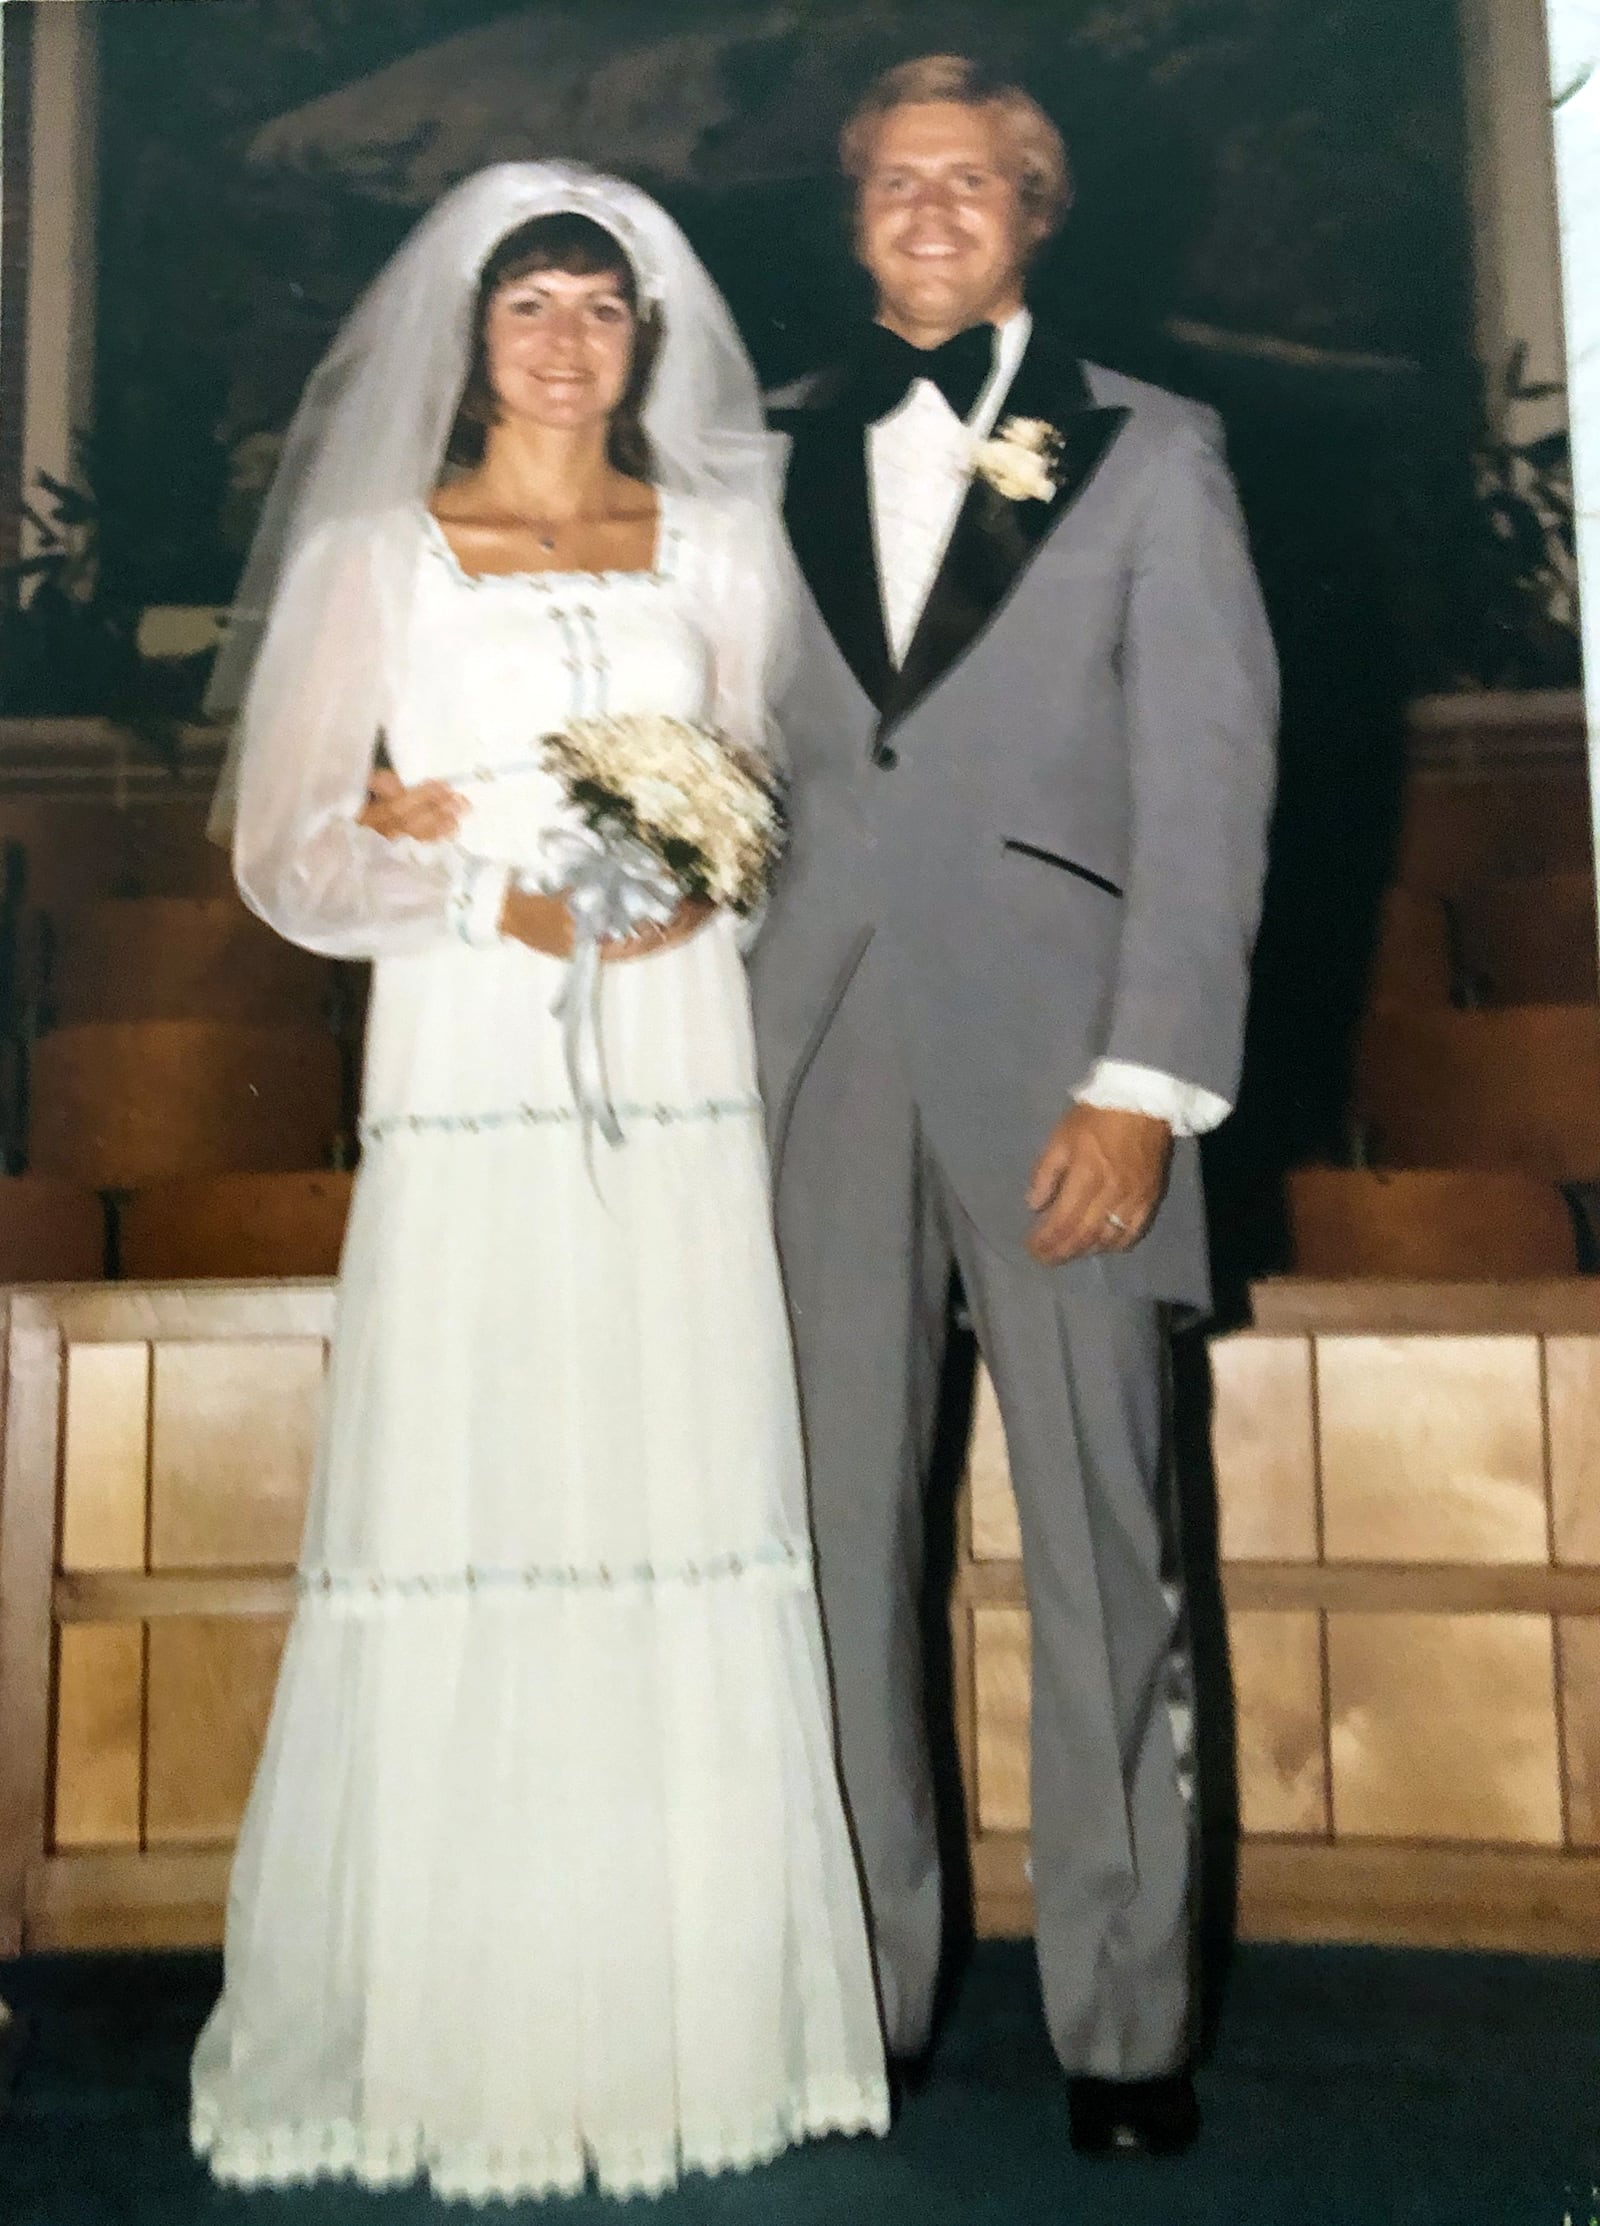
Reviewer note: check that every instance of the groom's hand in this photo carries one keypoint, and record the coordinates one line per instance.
(427, 812)
(1097, 1183)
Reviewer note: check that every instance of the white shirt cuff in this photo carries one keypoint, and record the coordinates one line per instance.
(477, 898)
(1118, 1086)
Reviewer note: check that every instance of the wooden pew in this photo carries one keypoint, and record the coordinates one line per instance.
(1411, 961)
(1427, 1223)
(181, 958)
(1459, 829)
(1530, 941)
(50, 1231)
(233, 1226)
(120, 1104)
(79, 852)
(1514, 1089)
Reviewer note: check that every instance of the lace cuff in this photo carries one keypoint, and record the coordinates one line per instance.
(477, 897)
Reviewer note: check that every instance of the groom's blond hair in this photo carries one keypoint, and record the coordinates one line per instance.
(1037, 150)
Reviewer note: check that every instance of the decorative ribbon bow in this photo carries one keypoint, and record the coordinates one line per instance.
(614, 885)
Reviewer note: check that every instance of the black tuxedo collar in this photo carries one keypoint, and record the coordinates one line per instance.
(994, 539)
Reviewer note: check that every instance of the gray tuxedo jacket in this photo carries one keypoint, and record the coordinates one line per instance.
(1051, 819)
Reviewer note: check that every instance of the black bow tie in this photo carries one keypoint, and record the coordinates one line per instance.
(889, 366)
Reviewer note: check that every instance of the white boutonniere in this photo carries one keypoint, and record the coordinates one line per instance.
(1019, 461)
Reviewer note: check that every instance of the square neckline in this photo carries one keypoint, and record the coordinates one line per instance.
(656, 570)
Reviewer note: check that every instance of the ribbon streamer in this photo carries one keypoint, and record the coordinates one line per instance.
(613, 886)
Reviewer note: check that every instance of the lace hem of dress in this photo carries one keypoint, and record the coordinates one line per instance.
(354, 1591)
(382, 1126)
(481, 2172)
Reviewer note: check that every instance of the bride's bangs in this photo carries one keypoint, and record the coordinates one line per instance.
(565, 241)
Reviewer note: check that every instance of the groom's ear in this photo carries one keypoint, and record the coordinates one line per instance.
(850, 217)
(859, 289)
(1037, 229)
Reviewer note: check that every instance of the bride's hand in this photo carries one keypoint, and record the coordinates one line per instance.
(429, 812)
(542, 922)
(691, 915)
(545, 924)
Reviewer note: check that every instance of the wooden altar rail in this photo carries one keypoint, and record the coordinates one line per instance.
(1408, 1482)
(157, 1448)
(1409, 1487)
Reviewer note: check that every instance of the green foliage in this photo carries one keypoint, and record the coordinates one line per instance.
(67, 638)
(1475, 526)
(63, 647)
(1525, 555)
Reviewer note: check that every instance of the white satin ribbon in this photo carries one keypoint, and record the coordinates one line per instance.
(613, 886)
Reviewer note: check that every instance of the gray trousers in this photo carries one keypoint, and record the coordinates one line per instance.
(868, 1229)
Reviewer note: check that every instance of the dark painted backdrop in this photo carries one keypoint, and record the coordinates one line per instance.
(1272, 213)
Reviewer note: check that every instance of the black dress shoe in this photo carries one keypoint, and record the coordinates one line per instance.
(908, 2075)
(13, 2033)
(1134, 2117)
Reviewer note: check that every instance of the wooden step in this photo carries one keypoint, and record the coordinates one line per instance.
(120, 1104)
(235, 1225)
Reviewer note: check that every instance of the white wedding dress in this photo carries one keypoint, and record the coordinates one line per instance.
(545, 1876)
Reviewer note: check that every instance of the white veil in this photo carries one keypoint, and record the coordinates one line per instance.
(368, 438)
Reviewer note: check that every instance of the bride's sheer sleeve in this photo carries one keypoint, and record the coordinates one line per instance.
(748, 623)
(749, 616)
(318, 699)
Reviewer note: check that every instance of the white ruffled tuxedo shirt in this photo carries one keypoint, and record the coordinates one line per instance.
(919, 465)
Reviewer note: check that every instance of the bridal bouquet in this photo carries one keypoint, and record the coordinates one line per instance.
(667, 810)
(710, 814)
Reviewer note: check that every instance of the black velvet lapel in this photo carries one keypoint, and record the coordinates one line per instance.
(994, 538)
(828, 511)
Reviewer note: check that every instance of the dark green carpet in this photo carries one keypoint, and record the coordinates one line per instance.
(1349, 2086)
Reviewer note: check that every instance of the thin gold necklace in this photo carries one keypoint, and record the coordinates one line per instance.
(547, 532)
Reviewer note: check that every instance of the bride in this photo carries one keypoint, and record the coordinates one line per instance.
(545, 1876)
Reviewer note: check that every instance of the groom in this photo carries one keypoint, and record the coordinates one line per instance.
(1000, 990)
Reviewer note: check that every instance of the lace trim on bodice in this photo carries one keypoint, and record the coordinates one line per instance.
(660, 572)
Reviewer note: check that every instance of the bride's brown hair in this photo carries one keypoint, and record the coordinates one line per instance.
(576, 245)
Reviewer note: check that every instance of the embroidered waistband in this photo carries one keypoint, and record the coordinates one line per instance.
(353, 1590)
(385, 1125)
